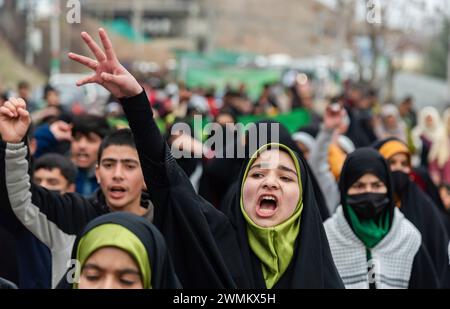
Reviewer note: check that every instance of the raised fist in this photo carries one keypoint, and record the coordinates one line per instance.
(14, 120)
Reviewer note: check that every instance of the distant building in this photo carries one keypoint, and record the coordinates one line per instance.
(151, 18)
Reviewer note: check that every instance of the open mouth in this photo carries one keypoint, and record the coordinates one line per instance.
(82, 156)
(267, 206)
(117, 192)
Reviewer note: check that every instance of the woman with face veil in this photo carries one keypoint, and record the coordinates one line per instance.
(122, 250)
(373, 244)
(278, 223)
(417, 207)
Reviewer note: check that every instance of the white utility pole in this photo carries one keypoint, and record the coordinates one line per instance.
(55, 38)
(29, 15)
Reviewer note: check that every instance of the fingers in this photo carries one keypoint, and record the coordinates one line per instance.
(23, 113)
(19, 103)
(14, 108)
(87, 80)
(64, 126)
(6, 111)
(86, 61)
(11, 108)
(107, 45)
(61, 125)
(93, 47)
(61, 130)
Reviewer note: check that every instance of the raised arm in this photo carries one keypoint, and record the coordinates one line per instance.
(108, 72)
(52, 218)
(318, 160)
(185, 219)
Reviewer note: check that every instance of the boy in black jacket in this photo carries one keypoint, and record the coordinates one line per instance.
(53, 218)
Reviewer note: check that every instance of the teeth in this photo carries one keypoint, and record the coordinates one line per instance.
(271, 198)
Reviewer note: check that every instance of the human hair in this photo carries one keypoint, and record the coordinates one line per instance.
(23, 85)
(122, 137)
(47, 90)
(86, 124)
(53, 160)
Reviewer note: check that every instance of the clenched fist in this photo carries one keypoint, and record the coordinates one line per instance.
(14, 120)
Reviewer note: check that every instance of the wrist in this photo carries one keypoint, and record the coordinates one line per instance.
(137, 90)
(131, 100)
(134, 92)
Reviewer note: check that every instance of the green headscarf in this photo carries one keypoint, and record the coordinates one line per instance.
(369, 231)
(114, 235)
(274, 246)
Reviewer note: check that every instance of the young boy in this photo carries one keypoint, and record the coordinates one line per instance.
(56, 219)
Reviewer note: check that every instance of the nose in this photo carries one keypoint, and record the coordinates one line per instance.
(109, 283)
(82, 143)
(270, 182)
(118, 172)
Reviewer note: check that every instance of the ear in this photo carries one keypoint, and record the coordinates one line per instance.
(33, 146)
(97, 173)
(144, 186)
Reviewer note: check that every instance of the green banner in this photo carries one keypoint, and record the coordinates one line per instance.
(292, 121)
(254, 79)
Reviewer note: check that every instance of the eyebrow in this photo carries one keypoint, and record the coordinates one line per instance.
(111, 160)
(126, 271)
(92, 266)
(129, 271)
(52, 179)
(280, 167)
(367, 183)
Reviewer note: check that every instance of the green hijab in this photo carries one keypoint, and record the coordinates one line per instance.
(370, 231)
(114, 235)
(274, 246)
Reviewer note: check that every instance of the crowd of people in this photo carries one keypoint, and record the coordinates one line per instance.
(358, 198)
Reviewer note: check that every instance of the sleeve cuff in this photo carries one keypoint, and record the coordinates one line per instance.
(14, 146)
(131, 102)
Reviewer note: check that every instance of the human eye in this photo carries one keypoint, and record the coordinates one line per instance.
(377, 185)
(130, 166)
(107, 165)
(92, 278)
(257, 175)
(286, 178)
(127, 282)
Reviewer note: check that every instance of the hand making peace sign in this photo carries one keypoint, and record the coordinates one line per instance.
(108, 71)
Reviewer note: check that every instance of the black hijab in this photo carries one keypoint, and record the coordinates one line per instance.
(426, 217)
(265, 132)
(312, 265)
(163, 274)
(365, 161)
